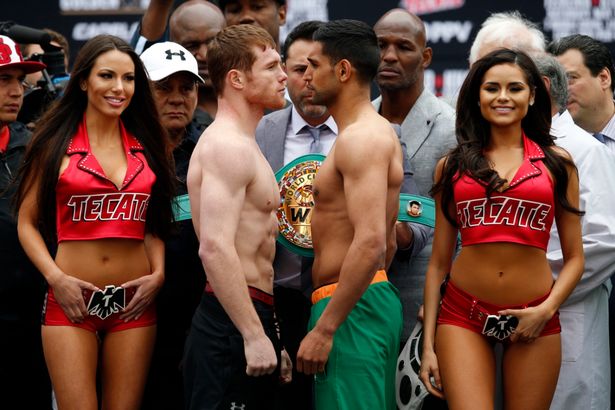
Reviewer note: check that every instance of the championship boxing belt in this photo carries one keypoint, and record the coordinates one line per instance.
(297, 202)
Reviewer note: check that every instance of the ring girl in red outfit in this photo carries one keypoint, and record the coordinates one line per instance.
(97, 180)
(501, 189)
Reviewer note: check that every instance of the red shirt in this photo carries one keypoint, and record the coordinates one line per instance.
(89, 205)
(4, 138)
(523, 213)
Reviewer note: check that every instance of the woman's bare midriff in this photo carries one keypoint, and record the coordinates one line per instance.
(103, 261)
(502, 273)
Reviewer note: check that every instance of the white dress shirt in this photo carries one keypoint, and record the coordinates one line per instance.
(609, 134)
(584, 378)
(596, 166)
(298, 138)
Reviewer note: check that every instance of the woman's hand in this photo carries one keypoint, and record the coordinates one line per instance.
(146, 289)
(68, 292)
(429, 370)
(531, 322)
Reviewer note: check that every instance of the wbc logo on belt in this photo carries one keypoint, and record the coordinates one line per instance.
(297, 201)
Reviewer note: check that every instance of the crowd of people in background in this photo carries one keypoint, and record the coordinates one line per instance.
(110, 299)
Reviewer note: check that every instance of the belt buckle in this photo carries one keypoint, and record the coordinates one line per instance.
(500, 326)
(104, 303)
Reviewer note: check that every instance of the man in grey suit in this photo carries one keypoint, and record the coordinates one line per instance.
(284, 135)
(427, 130)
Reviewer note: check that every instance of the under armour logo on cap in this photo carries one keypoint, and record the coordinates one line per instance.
(166, 58)
(179, 53)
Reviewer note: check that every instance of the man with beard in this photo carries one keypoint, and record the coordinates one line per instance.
(300, 129)
(427, 130)
(231, 351)
(356, 193)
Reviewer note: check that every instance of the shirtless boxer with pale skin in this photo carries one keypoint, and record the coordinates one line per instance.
(232, 351)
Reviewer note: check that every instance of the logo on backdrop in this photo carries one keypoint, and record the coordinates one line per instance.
(431, 6)
(594, 18)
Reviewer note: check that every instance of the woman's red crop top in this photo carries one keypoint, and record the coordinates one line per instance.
(90, 206)
(522, 213)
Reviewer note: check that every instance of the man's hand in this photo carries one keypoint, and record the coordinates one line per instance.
(260, 356)
(314, 352)
(286, 368)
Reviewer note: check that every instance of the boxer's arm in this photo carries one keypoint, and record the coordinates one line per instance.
(225, 175)
(365, 175)
(223, 192)
(364, 166)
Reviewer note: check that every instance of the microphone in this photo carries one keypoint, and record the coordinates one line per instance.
(24, 34)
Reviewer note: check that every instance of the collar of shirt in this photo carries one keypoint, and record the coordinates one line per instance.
(297, 122)
(609, 130)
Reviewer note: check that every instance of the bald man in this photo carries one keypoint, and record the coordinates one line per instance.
(427, 129)
(192, 25)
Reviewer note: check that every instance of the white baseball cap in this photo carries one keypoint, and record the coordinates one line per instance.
(10, 56)
(163, 59)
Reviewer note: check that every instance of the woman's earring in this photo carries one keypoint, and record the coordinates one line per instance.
(531, 102)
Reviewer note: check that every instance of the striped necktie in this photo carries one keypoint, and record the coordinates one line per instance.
(315, 146)
(599, 136)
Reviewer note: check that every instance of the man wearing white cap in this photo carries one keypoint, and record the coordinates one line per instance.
(23, 375)
(173, 71)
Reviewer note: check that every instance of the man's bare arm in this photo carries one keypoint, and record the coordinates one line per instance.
(226, 173)
(154, 20)
(365, 174)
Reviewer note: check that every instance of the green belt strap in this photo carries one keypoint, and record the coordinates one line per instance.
(181, 208)
(427, 210)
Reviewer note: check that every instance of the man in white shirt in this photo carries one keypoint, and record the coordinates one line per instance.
(590, 71)
(584, 380)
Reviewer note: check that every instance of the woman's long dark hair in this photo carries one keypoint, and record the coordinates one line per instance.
(473, 133)
(56, 127)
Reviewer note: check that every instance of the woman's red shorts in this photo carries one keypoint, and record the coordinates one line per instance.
(53, 315)
(459, 308)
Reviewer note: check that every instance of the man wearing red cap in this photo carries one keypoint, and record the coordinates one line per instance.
(23, 375)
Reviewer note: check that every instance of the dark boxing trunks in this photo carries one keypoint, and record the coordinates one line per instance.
(215, 363)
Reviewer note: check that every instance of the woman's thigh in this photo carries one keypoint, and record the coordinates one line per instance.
(71, 354)
(467, 368)
(530, 372)
(125, 362)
